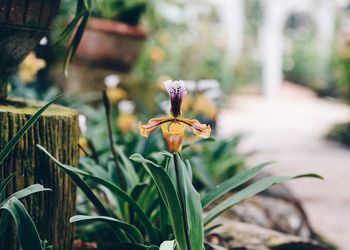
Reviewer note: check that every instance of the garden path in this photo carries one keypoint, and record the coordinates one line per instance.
(290, 130)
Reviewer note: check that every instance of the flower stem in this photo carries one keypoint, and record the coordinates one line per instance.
(121, 176)
(180, 187)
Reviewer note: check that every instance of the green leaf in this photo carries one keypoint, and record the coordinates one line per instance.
(201, 172)
(64, 36)
(4, 221)
(248, 192)
(80, 183)
(36, 188)
(32, 189)
(76, 41)
(126, 198)
(74, 174)
(189, 170)
(28, 235)
(4, 184)
(12, 143)
(193, 207)
(169, 196)
(131, 230)
(135, 193)
(90, 166)
(231, 183)
(211, 228)
(131, 175)
(80, 20)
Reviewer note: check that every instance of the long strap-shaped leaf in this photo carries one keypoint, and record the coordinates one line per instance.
(126, 198)
(4, 184)
(74, 174)
(231, 183)
(80, 183)
(4, 217)
(132, 176)
(169, 196)
(250, 191)
(32, 189)
(193, 207)
(81, 10)
(84, 188)
(135, 193)
(7, 149)
(82, 16)
(28, 235)
(131, 230)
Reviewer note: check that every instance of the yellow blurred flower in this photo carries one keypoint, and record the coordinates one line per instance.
(157, 54)
(116, 94)
(203, 106)
(30, 67)
(126, 122)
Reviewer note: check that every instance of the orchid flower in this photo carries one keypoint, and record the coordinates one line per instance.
(173, 126)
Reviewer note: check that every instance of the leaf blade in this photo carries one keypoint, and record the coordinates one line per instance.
(231, 183)
(131, 230)
(168, 194)
(28, 235)
(250, 191)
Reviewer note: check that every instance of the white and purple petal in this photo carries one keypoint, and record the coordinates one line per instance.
(177, 91)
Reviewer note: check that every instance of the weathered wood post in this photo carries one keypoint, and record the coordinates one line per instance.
(57, 130)
(22, 24)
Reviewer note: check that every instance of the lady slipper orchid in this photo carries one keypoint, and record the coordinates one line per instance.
(173, 127)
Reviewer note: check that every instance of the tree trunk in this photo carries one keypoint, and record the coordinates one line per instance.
(57, 131)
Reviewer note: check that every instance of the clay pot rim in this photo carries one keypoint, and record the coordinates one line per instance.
(110, 26)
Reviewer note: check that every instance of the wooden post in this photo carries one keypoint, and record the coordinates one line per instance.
(57, 131)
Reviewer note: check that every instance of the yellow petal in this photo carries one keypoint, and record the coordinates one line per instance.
(173, 133)
(147, 129)
(198, 128)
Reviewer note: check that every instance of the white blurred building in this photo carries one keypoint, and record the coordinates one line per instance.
(275, 16)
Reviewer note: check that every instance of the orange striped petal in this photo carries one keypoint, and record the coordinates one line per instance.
(147, 129)
(173, 134)
(198, 128)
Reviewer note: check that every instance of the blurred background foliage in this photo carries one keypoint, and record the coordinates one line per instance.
(186, 40)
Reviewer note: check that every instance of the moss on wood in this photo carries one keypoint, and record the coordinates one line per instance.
(57, 131)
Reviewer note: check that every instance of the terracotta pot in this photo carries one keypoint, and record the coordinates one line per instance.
(22, 24)
(110, 45)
